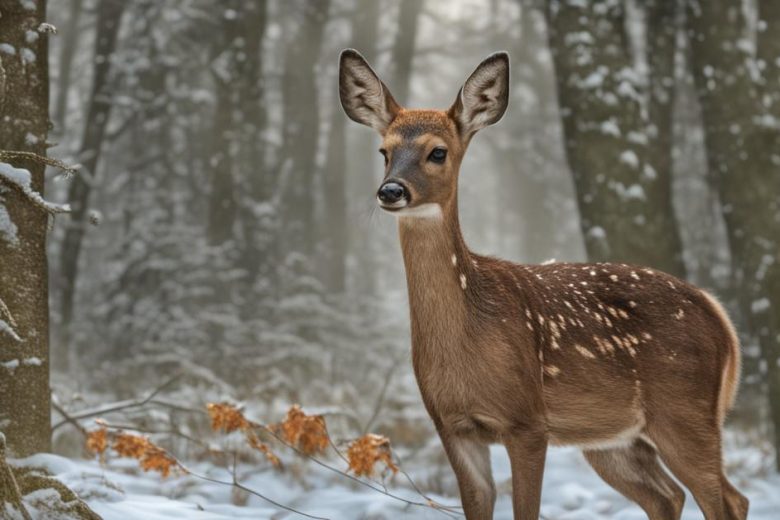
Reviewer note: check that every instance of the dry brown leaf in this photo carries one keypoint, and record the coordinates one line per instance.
(97, 440)
(363, 454)
(226, 417)
(306, 432)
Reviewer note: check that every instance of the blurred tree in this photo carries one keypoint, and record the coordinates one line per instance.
(301, 123)
(403, 48)
(362, 167)
(24, 104)
(70, 40)
(742, 142)
(624, 200)
(109, 13)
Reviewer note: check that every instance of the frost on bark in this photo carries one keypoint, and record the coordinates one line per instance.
(624, 201)
(743, 155)
(24, 101)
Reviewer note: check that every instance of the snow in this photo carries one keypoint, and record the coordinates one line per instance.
(8, 230)
(571, 490)
(759, 305)
(629, 157)
(23, 179)
(10, 365)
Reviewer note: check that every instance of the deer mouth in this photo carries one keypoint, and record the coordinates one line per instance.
(393, 206)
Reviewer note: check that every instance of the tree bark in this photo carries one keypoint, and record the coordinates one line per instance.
(109, 13)
(623, 201)
(743, 159)
(24, 110)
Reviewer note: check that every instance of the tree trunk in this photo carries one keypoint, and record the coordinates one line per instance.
(24, 105)
(70, 40)
(109, 13)
(301, 124)
(403, 48)
(743, 159)
(623, 201)
(363, 166)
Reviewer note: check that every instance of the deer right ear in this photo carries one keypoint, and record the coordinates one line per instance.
(364, 97)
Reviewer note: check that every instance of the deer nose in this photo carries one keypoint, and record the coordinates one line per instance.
(391, 192)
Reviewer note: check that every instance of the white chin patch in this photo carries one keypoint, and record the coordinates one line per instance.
(428, 210)
(395, 205)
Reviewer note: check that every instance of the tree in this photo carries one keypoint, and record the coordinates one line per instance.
(742, 146)
(24, 353)
(301, 124)
(109, 13)
(624, 200)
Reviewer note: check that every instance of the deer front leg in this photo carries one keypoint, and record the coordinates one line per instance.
(527, 453)
(470, 459)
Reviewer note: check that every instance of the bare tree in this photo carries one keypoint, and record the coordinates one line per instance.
(70, 40)
(742, 156)
(624, 201)
(24, 291)
(109, 13)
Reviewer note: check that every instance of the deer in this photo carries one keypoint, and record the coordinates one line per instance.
(631, 365)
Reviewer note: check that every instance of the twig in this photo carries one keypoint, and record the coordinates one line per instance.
(369, 485)
(40, 159)
(67, 417)
(381, 398)
(121, 405)
(242, 487)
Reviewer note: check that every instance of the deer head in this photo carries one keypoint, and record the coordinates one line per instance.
(423, 149)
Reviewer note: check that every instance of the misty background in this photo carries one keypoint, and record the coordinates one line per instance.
(224, 227)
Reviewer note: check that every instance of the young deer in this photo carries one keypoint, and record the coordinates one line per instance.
(628, 363)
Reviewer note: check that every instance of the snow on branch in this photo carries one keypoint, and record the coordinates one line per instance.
(20, 180)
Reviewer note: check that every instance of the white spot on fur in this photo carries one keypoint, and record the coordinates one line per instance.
(454, 259)
(680, 314)
(584, 352)
(632, 304)
(551, 370)
(613, 277)
(634, 275)
(463, 281)
(549, 261)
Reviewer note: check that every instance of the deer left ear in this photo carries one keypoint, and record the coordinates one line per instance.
(484, 97)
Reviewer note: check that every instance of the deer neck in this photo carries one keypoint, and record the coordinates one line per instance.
(438, 269)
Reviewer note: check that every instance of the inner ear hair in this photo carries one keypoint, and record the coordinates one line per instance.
(484, 97)
(365, 99)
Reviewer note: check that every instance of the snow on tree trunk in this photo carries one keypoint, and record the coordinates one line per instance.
(624, 201)
(24, 100)
(742, 145)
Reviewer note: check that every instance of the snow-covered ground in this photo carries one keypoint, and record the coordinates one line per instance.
(572, 491)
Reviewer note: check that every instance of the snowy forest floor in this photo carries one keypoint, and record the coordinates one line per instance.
(118, 490)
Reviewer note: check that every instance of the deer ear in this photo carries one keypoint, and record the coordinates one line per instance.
(363, 95)
(484, 97)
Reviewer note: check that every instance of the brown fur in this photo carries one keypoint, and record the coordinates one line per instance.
(627, 362)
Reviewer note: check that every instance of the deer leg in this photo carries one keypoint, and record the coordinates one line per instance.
(736, 503)
(470, 459)
(634, 471)
(527, 453)
(691, 450)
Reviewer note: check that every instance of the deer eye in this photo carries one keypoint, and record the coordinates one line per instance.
(384, 154)
(438, 155)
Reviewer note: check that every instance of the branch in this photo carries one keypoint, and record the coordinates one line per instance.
(7, 155)
(20, 180)
(123, 405)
